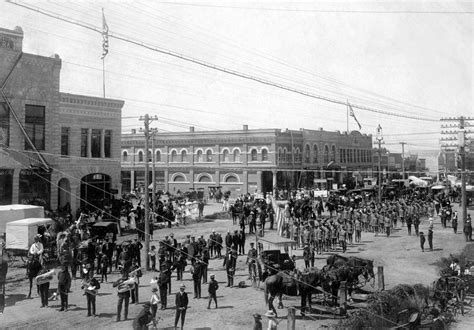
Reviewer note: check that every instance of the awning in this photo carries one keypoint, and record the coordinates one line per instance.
(23, 159)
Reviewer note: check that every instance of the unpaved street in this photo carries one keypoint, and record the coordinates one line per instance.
(400, 255)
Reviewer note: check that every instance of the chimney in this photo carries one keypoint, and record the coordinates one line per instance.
(246, 127)
(191, 129)
(134, 131)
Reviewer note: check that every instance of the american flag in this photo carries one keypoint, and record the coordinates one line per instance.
(105, 37)
(351, 113)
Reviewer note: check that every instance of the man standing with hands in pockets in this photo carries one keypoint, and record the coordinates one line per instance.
(181, 306)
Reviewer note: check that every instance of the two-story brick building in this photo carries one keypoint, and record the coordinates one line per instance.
(243, 161)
(55, 148)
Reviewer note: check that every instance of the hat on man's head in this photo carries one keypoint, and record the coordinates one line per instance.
(154, 289)
(257, 316)
(182, 286)
(252, 243)
(270, 314)
(147, 304)
(212, 275)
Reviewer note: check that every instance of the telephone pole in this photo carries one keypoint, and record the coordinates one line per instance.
(459, 137)
(153, 131)
(379, 139)
(146, 121)
(403, 159)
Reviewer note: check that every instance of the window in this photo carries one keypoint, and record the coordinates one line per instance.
(4, 124)
(34, 125)
(183, 156)
(326, 154)
(253, 155)
(95, 143)
(140, 156)
(358, 155)
(179, 177)
(236, 155)
(226, 156)
(315, 154)
(64, 141)
(107, 143)
(174, 155)
(158, 156)
(209, 156)
(150, 156)
(307, 154)
(343, 155)
(84, 141)
(264, 155)
(333, 153)
(231, 178)
(199, 156)
(124, 156)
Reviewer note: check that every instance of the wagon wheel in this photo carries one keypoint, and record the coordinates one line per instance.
(11, 258)
(24, 259)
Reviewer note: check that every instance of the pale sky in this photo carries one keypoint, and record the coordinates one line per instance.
(412, 58)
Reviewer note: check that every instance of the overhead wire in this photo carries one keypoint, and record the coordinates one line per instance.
(216, 67)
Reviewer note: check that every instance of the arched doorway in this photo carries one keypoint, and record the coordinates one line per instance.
(64, 193)
(95, 188)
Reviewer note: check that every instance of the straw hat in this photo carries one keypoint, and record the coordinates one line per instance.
(270, 314)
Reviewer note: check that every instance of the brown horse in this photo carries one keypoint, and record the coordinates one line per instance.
(365, 265)
(308, 282)
(277, 285)
(33, 268)
(3, 278)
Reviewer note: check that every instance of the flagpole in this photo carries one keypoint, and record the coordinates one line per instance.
(347, 116)
(103, 76)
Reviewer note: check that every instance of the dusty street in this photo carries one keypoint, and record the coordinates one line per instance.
(400, 255)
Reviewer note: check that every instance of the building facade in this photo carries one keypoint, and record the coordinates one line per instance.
(245, 161)
(56, 149)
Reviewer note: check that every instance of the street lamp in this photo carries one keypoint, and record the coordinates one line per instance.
(379, 139)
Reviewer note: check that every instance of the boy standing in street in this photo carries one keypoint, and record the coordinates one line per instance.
(422, 241)
(213, 286)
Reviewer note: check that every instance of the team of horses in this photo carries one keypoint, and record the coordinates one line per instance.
(353, 271)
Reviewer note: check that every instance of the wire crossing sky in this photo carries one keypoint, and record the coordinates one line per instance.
(408, 59)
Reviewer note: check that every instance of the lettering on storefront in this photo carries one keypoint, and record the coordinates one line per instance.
(6, 42)
(6, 172)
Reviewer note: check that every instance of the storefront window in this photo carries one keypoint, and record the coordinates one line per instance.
(35, 187)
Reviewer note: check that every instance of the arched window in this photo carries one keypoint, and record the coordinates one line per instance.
(264, 155)
(231, 178)
(315, 154)
(285, 156)
(253, 155)
(140, 156)
(307, 154)
(174, 156)
(199, 156)
(158, 156)
(204, 178)
(225, 155)
(333, 153)
(125, 156)
(183, 156)
(236, 155)
(209, 156)
(179, 178)
(326, 154)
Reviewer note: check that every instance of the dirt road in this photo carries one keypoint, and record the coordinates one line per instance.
(399, 254)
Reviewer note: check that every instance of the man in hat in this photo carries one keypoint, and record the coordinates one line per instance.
(123, 285)
(36, 249)
(258, 321)
(230, 261)
(272, 320)
(213, 286)
(306, 255)
(64, 284)
(181, 305)
(252, 259)
(144, 318)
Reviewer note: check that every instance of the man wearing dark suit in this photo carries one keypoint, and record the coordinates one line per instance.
(181, 306)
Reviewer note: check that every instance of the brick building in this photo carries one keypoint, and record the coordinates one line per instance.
(243, 161)
(55, 148)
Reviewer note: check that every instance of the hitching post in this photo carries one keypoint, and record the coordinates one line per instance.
(381, 282)
(291, 319)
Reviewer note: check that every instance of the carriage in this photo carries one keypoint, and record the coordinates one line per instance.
(20, 236)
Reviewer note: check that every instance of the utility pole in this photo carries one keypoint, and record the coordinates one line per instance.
(153, 131)
(460, 136)
(379, 139)
(146, 121)
(403, 159)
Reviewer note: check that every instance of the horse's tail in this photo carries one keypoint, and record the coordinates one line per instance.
(265, 293)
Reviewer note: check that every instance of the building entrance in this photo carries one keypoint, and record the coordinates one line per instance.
(95, 188)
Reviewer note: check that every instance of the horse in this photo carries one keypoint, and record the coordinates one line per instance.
(3, 278)
(366, 265)
(277, 285)
(308, 281)
(33, 267)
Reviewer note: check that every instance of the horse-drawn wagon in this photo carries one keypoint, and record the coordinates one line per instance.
(20, 236)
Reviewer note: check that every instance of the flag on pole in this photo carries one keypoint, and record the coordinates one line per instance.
(352, 114)
(105, 36)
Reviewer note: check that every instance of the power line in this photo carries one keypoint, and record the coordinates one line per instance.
(216, 67)
(211, 5)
